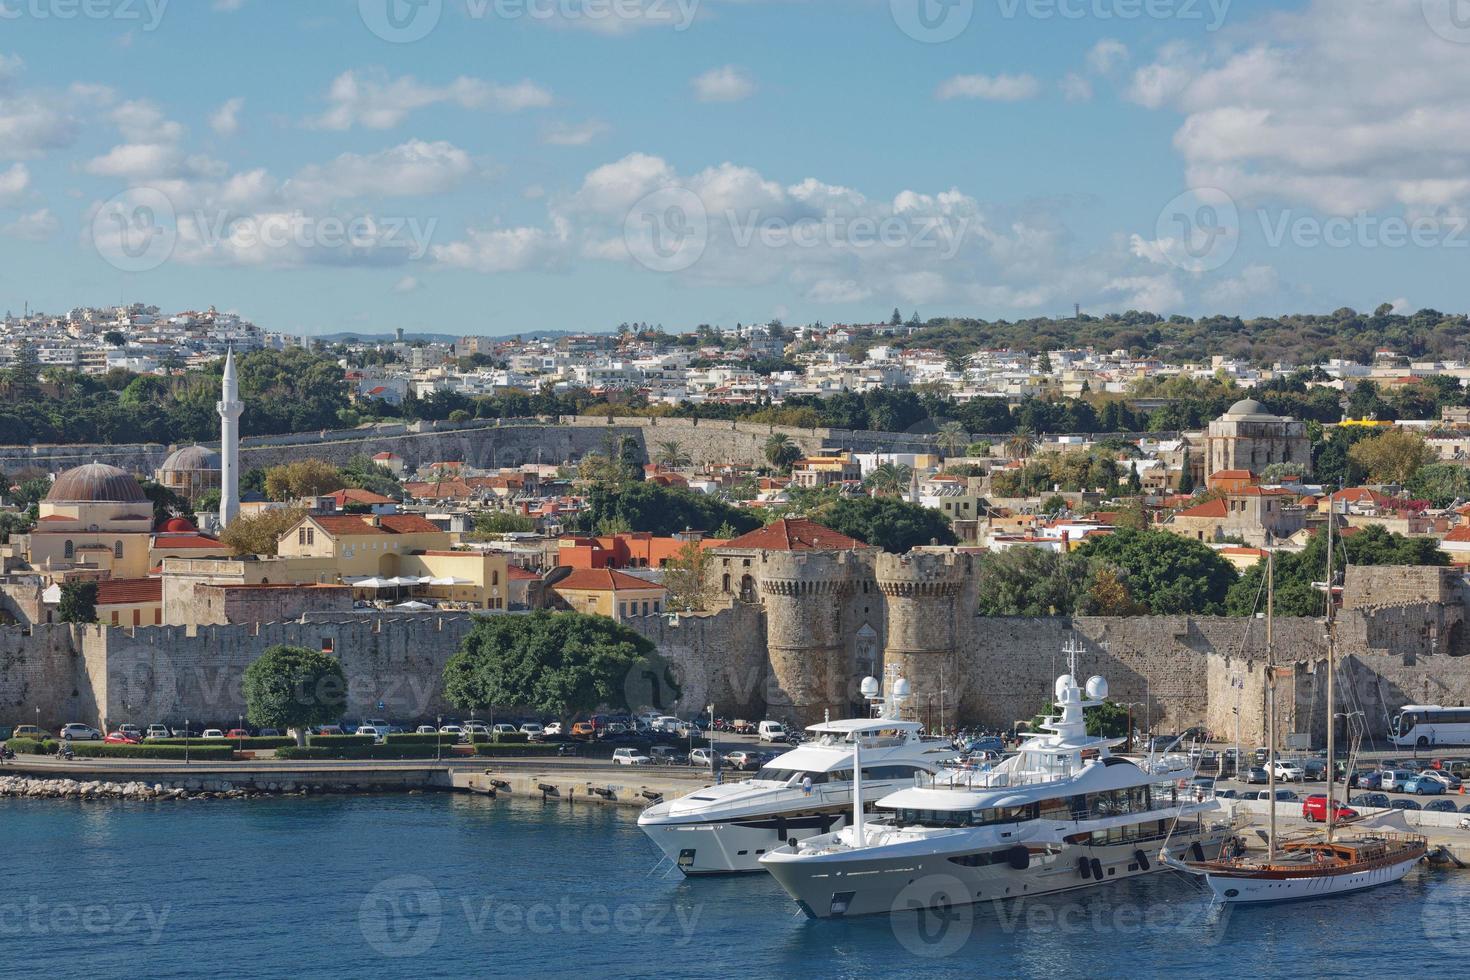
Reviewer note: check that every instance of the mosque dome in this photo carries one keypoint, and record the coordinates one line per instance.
(1249, 408)
(96, 483)
(191, 459)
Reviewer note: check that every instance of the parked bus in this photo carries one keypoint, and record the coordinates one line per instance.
(1423, 725)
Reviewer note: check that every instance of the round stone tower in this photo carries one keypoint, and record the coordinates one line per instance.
(803, 594)
(930, 599)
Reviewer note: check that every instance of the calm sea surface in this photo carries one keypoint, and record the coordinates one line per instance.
(451, 886)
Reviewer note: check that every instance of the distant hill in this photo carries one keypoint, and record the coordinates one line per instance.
(362, 336)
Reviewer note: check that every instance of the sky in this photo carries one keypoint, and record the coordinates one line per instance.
(500, 166)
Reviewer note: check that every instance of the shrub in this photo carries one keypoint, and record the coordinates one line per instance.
(357, 752)
(213, 751)
(272, 742)
(511, 751)
(29, 746)
(328, 741)
(512, 738)
(416, 739)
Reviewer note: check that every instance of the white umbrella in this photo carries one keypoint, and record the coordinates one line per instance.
(451, 580)
(413, 606)
(371, 583)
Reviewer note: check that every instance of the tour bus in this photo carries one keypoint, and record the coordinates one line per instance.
(1422, 725)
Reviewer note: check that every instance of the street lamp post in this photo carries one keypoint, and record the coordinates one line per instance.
(438, 738)
(186, 740)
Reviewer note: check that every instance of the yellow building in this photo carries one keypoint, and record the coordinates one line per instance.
(822, 471)
(95, 519)
(616, 595)
(362, 545)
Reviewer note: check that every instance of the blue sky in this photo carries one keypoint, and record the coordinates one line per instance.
(570, 164)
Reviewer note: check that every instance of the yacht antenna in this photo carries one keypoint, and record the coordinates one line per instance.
(1271, 697)
(1331, 668)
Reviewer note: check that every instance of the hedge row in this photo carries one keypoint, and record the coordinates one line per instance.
(331, 741)
(513, 751)
(212, 752)
(272, 742)
(415, 739)
(357, 752)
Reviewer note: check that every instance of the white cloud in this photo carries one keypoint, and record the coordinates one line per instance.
(1253, 283)
(1106, 56)
(413, 169)
(38, 226)
(408, 284)
(993, 88)
(228, 6)
(573, 134)
(14, 183)
(226, 119)
(1303, 109)
(726, 84)
(501, 250)
(1075, 88)
(375, 101)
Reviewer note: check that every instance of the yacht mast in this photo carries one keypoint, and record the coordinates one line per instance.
(1331, 669)
(1271, 700)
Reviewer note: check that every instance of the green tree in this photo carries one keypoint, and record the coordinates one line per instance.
(261, 533)
(165, 502)
(295, 688)
(1440, 483)
(659, 510)
(952, 438)
(671, 455)
(1166, 573)
(889, 523)
(1392, 457)
(208, 502)
(781, 452)
(113, 338)
(1021, 445)
(303, 478)
(1186, 473)
(1030, 582)
(560, 664)
(890, 479)
(687, 577)
(78, 602)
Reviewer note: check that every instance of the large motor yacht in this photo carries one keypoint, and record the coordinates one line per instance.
(727, 827)
(1063, 813)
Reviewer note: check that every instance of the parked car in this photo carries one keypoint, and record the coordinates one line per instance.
(1226, 794)
(1405, 805)
(270, 733)
(30, 731)
(76, 731)
(742, 759)
(553, 729)
(1262, 754)
(331, 730)
(380, 735)
(1286, 796)
(120, 737)
(1379, 800)
(473, 729)
(213, 733)
(772, 731)
(1289, 771)
(1251, 794)
(583, 729)
(1394, 779)
(1257, 775)
(1422, 784)
(1440, 806)
(237, 733)
(1366, 779)
(1314, 808)
(742, 727)
(426, 730)
(629, 757)
(702, 757)
(667, 755)
(1451, 781)
(505, 728)
(1314, 770)
(132, 731)
(534, 732)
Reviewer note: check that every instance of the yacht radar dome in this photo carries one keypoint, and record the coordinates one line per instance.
(1097, 689)
(870, 687)
(1065, 683)
(901, 688)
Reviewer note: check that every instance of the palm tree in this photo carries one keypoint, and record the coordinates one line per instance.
(781, 452)
(890, 479)
(1021, 445)
(671, 455)
(952, 438)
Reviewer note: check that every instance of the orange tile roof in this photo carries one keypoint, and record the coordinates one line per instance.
(1210, 508)
(794, 534)
(129, 591)
(1231, 475)
(520, 574)
(186, 541)
(1461, 533)
(604, 580)
(353, 495)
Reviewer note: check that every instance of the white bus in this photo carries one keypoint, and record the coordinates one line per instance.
(1423, 725)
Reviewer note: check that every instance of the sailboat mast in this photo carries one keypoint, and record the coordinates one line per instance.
(1271, 700)
(1331, 669)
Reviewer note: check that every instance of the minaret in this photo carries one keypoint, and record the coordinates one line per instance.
(230, 408)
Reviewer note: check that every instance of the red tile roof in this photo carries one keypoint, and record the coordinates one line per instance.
(604, 580)
(794, 534)
(353, 495)
(1231, 475)
(1210, 508)
(358, 524)
(129, 591)
(520, 574)
(162, 541)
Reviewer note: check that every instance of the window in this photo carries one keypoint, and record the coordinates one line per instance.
(69, 550)
(301, 535)
(117, 549)
(494, 578)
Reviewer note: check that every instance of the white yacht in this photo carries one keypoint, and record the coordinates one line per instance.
(1063, 813)
(727, 827)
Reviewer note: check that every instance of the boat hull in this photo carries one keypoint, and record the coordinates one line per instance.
(1244, 890)
(882, 885)
(723, 847)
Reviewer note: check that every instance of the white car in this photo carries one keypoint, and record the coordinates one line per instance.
(532, 730)
(157, 731)
(772, 731)
(702, 757)
(505, 729)
(426, 730)
(454, 730)
(665, 723)
(212, 733)
(553, 729)
(630, 757)
(1289, 772)
(379, 734)
(473, 728)
(79, 732)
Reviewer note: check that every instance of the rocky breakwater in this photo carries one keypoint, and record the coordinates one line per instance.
(189, 789)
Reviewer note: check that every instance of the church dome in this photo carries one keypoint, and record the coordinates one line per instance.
(191, 459)
(1250, 408)
(96, 483)
(178, 525)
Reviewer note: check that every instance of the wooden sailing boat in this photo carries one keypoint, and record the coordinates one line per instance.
(1308, 868)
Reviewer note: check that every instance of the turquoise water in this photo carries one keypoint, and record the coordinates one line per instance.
(441, 886)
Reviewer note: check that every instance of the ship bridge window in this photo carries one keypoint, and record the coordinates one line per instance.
(786, 775)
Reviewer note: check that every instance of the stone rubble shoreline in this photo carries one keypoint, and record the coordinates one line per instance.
(187, 789)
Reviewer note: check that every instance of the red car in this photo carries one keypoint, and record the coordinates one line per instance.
(237, 733)
(120, 738)
(1314, 808)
